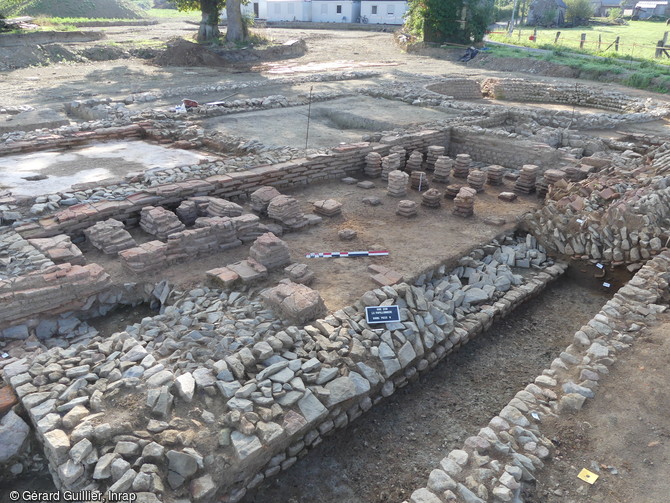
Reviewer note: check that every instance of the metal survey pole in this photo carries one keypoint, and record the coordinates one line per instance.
(309, 114)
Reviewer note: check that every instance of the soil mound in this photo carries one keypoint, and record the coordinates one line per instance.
(525, 65)
(181, 52)
(123, 9)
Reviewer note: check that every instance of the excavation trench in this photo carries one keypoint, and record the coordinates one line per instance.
(390, 450)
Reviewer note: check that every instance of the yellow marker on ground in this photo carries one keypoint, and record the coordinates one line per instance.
(587, 476)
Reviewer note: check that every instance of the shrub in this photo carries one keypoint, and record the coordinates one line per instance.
(578, 11)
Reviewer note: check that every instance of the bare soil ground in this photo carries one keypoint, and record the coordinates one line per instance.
(389, 452)
(395, 445)
(415, 245)
(623, 435)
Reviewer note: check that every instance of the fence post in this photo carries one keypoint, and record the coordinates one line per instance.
(616, 44)
(582, 40)
(660, 46)
(535, 35)
(599, 41)
(558, 34)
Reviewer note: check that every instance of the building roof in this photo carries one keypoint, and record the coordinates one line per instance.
(650, 4)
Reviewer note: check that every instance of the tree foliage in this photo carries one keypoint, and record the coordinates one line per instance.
(578, 11)
(460, 21)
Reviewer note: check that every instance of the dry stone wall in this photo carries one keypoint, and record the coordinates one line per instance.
(266, 391)
(524, 90)
(483, 146)
(618, 215)
(493, 465)
(343, 161)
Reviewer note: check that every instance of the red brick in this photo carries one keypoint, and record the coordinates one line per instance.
(7, 400)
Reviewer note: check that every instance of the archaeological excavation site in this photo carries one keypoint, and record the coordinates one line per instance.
(183, 289)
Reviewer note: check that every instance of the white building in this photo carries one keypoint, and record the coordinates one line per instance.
(384, 11)
(289, 10)
(647, 9)
(256, 8)
(336, 11)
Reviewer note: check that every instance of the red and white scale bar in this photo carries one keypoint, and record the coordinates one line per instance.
(379, 253)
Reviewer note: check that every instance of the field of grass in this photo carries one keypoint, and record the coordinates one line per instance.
(638, 39)
(173, 13)
(641, 74)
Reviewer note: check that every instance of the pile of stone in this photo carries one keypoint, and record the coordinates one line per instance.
(109, 236)
(260, 199)
(390, 163)
(406, 208)
(59, 249)
(218, 207)
(248, 271)
(347, 234)
(187, 212)
(525, 184)
(462, 166)
(17, 256)
(373, 165)
(270, 251)
(433, 154)
(146, 257)
(328, 207)
(443, 166)
(494, 175)
(507, 196)
(464, 202)
(286, 210)
(575, 173)
(384, 276)
(397, 183)
(248, 227)
(431, 198)
(477, 179)
(419, 181)
(222, 277)
(414, 162)
(297, 303)
(550, 177)
(452, 190)
(300, 273)
(159, 222)
(402, 155)
(208, 235)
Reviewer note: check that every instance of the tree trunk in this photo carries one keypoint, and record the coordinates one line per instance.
(236, 31)
(209, 24)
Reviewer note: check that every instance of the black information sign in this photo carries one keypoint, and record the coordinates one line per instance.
(382, 314)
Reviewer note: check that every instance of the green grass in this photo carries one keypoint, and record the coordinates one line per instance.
(628, 72)
(638, 39)
(172, 13)
(72, 8)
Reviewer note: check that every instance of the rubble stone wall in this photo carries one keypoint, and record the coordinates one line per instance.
(57, 141)
(524, 90)
(53, 290)
(343, 161)
(617, 215)
(277, 390)
(493, 465)
(460, 89)
(483, 146)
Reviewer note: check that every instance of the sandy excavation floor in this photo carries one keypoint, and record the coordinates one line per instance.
(626, 427)
(433, 237)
